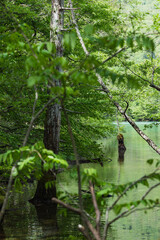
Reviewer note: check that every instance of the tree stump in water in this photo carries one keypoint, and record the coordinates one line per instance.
(121, 147)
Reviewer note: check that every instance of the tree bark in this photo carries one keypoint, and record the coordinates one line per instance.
(121, 147)
(53, 114)
(52, 128)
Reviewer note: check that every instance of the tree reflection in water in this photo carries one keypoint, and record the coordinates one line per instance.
(47, 217)
(2, 235)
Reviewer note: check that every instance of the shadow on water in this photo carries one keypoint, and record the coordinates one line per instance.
(121, 157)
(47, 216)
(24, 221)
(2, 235)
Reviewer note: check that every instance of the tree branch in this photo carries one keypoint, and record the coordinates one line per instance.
(131, 122)
(154, 86)
(78, 211)
(84, 217)
(133, 208)
(76, 156)
(149, 190)
(24, 143)
(35, 116)
(65, 205)
(2, 212)
(106, 225)
(98, 216)
(131, 185)
(114, 55)
(126, 107)
(83, 231)
(123, 112)
(151, 84)
(77, 30)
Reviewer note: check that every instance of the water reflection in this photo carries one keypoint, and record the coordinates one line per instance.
(2, 235)
(47, 216)
(121, 157)
(24, 221)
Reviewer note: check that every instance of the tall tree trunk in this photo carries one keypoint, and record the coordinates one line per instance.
(53, 114)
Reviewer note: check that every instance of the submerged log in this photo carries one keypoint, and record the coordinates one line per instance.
(121, 147)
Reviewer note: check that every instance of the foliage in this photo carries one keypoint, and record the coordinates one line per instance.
(29, 65)
(31, 162)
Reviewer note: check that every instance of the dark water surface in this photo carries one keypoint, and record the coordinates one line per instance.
(25, 221)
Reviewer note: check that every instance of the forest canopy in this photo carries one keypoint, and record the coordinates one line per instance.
(69, 70)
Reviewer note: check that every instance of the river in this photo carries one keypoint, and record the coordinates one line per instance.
(25, 222)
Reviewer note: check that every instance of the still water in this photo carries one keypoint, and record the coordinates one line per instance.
(25, 222)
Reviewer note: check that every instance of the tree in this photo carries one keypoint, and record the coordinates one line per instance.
(41, 59)
(67, 76)
(53, 114)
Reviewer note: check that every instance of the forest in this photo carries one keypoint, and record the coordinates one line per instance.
(76, 78)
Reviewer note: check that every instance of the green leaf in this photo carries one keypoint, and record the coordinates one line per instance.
(48, 152)
(49, 184)
(150, 161)
(130, 42)
(62, 61)
(145, 182)
(40, 46)
(88, 30)
(18, 184)
(90, 171)
(15, 172)
(49, 46)
(144, 202)
(62, 162)
(22, 44)
(26, 163)
(33, 80)
(104, 192)
(10, 159)
(69, 40)
(46, 167)
(117, 209)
